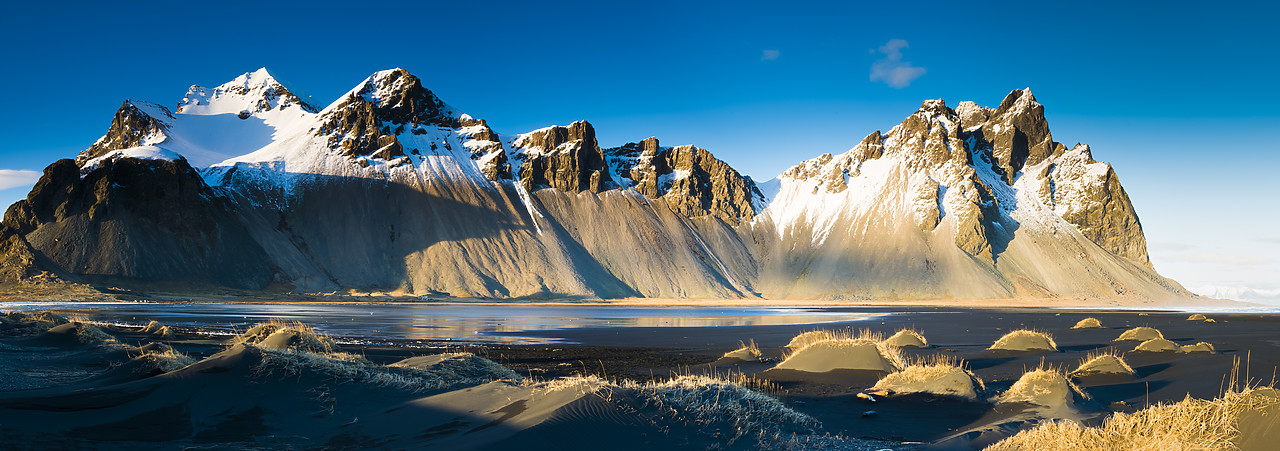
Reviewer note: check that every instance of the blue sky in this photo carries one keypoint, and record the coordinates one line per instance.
(1181, 97)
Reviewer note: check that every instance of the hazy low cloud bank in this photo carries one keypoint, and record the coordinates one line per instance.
(13, 178)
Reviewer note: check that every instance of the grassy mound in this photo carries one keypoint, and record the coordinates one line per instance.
(908, 338)
(282, 335)
(748, 352)
(1025, 340)
(1043, 387)
(164, 358)
(344, 368)
(464, 365)
(814, 336)
(938, 376)
(1088, 323)
(1158, 345)
(1197, 317)
(733, 416)
(1106, 362)
(156, 329)
(1142, 333)
(1198, 347)
(844, 351)
(1226, 422)
(14, 324)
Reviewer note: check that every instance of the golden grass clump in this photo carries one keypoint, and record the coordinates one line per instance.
(1220, 423)
(1088, 323)
(157, 329)
(938, 375)
(88, 332)
(1105, 362)
(908, 338)
(1197, 317)
(1198, 347)
(824, 351)
(1025, 340)
(1142, 333)
(1158, 345)
(1043, 386)
(276, 334)
(168, 359)
(747, 352)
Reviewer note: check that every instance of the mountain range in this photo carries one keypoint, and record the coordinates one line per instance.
(254, 185)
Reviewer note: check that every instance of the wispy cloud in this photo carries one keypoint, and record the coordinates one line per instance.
(770, 55)
(891, 69)
(13, 178)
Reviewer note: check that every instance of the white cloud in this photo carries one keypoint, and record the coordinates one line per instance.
(891, 69)
(770, 55)
(13, 178)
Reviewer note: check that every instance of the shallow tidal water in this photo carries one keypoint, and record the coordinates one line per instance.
(488, 323)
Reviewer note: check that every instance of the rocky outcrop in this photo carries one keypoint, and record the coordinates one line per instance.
(131, 127)
(141, 220)
(1088, 194)
(371, 117)
(1017, 134)
(565, 158)
(689, 179)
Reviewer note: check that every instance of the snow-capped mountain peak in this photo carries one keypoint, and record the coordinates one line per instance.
(250, 93)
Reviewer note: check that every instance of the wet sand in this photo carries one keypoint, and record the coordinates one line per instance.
(59, 394)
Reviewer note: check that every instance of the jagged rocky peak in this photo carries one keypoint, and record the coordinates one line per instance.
(1018, 134)
(367, 121)
(250, 93)
(565, 158)
(142, 219)
(689, 179)
(135, 124)
(1088, 194)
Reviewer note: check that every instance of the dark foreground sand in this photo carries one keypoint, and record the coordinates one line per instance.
(68, 386)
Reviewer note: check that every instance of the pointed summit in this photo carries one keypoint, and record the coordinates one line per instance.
(252, 92)
(396, 96)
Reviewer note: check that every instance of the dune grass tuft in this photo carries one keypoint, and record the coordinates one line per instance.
(747, 352)
(1157, 345)
(347, 368)
(938, 375)
(1142, 333)
(1088, 323)
(1025, 340)
(1044, 386)
(822, 351)
(167, 360)
(1198, 347)
(908, 338)
(294, 335)
(1109, 361)
(1197, 317)
(1188, 424)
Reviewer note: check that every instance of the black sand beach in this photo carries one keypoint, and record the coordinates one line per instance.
(59, 389)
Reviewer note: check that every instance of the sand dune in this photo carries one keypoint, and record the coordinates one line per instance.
(1025, 340)
(1142, 333)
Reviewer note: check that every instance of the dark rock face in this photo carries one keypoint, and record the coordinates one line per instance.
(690, 179)
(129, 128)
(367, 122)
(1018, 133)
(567, 158)
(152, 220)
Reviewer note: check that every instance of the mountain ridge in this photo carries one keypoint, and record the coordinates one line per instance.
(390, 188)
